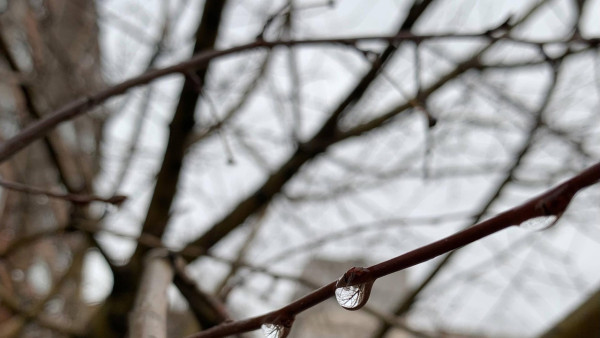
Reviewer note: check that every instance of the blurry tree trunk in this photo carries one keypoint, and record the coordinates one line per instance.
(50, 49)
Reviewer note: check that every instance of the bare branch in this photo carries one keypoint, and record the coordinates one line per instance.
(73, 198)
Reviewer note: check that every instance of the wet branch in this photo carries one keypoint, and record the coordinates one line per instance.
(553, 202)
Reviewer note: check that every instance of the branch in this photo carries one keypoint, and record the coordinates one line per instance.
(222, 289)
(357, 229)
(551, 203)
(235, 108)
(181, 126)
(80, 106)
(74, 198)
(207, 309)
(53, 143)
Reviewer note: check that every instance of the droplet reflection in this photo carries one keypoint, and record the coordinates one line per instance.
(275, 330)
(539, 223)
(352, 296)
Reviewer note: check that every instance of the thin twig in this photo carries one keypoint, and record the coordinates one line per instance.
(82, 105)
(74, 198)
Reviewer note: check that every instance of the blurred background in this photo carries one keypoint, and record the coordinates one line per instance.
(273, 171)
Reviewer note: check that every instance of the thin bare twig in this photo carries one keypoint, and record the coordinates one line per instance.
(74, 198)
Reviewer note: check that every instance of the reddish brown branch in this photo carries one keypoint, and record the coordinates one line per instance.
(74, 198)
(77, 107)
(550, 203)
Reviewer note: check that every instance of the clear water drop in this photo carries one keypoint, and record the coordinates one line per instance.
(352, 296)
(275, 330)
(539, 223)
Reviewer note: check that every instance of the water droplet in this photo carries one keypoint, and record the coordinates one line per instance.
(352, 296)
(539, 223)
(275, 330)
